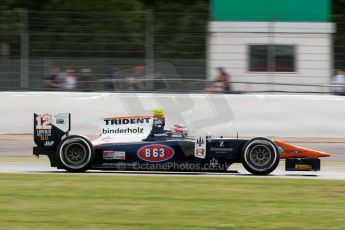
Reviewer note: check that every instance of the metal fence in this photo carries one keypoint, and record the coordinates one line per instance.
(174, 50)
(34, 42)
(100, 72)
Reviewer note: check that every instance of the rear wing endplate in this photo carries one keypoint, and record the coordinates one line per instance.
(49, 128)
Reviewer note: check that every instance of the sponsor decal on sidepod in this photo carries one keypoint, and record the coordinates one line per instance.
(155, 153)
(114, 155)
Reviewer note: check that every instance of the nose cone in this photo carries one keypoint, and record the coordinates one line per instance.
(292, 151)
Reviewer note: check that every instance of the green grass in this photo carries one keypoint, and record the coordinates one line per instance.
(146, 202)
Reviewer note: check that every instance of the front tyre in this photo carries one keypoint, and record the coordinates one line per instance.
(260, 156)
(75, 153)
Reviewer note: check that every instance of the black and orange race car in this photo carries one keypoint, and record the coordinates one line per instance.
(141, 143)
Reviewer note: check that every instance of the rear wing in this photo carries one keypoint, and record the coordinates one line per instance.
(50, 128)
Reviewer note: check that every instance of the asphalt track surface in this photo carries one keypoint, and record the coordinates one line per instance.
(331, 170)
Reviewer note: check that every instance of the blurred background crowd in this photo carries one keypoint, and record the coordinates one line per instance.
(68, 79)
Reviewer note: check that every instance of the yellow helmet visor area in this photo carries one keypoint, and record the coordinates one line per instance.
(158, 112)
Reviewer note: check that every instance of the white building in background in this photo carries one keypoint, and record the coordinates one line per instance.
(294, 46)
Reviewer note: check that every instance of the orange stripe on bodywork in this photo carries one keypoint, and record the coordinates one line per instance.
(293, 151)
(128, 117)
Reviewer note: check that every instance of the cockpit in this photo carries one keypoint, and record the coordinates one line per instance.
(159, 132)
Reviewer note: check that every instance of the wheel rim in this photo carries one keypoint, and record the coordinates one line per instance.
(260, 155)
(75, 153)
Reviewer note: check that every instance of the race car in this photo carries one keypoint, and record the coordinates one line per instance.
(142, 143)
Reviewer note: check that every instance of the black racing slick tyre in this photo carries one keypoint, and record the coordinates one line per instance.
(260, 156)
(75, 153)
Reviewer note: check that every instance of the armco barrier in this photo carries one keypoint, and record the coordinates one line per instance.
(247, 115)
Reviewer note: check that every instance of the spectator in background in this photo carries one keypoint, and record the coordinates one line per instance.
(85, 82)
(61, 78)
(133, 80)
(221, 84)
(71, 80)
(111, 82)
(338, 83)
(5, 52)
(52, 81)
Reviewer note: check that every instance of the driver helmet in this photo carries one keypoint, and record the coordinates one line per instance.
(180, 129)
(158, 113)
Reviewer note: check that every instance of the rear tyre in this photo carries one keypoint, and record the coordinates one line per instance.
(260, 156)
(75, 153)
